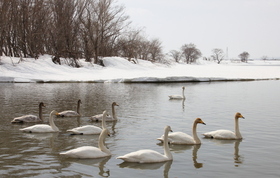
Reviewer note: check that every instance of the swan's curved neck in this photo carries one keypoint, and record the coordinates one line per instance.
(101, 142)
(40, 112)
(167, 152)
(53, 126)
(237, 132)
(183, 93)
(195, 137)
(114, 112)
(78, 107)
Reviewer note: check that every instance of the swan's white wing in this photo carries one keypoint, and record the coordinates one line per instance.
(220, 134)
(144, 156)
(68, 113)
(180, 138)
(85, 152)
(98, 118)
(175, 97)
(26, 118)
(38, 128)
(87, 129)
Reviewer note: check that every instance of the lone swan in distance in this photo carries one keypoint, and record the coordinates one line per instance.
(150, 156)
(227, 134)
(183, 138)
(30, 118)
(178, 97)
(91, 151)
(108, 118)
(70, 113)
(43, 128)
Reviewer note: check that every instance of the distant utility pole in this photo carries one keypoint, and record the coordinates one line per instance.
(227, 53)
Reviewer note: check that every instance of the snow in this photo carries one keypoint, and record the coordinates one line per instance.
(120, 70)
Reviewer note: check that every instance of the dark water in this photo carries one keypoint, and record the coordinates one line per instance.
(143, 112)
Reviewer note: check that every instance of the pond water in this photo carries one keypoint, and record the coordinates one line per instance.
(143, 112)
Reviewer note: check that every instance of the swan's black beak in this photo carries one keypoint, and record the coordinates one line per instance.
(171, 130)
(204, 123)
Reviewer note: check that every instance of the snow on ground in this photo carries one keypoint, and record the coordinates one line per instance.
(120, 70)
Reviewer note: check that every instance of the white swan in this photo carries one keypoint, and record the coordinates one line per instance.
(227, 134)
(108, 118)
(89, 129)
(70, 113)
(30, 118)
(178, 96)
(90, 151)
(42, 128)
(150, 156)
(183, 138)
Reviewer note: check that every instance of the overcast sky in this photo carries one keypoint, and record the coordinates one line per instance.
(232, 25)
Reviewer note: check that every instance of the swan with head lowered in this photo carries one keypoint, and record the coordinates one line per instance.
(150, 156)
(178, 97)
(70, 113)
(90, 151)
(183, 138)
(227, 134)
(108, 118)
(30, 118)
(43, 128)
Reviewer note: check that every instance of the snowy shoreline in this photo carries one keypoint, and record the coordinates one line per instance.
(119, 70)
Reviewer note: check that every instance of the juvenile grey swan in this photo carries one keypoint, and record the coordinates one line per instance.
(30, 118)
(108, 118)
(70, 113)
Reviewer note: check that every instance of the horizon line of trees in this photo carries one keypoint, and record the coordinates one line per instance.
(72, 29)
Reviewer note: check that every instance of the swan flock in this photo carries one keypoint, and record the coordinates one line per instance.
(140, 156)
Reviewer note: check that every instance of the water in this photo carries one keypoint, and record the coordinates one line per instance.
(143, 113)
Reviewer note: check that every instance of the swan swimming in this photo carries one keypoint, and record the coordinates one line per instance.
(178, 96)
(227, 134)
(183, 138)
(150, 156)
(70, 113)
(43, 128)
(30, 118)
(108, 118)
(90, 151)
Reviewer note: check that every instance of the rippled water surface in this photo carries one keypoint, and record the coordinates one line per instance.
(144, 110)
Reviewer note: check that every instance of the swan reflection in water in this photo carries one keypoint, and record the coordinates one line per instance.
(182, 148)
(98, 162)
(148, 166)
(238, 159)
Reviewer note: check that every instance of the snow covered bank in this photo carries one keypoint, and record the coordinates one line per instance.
(120, 70)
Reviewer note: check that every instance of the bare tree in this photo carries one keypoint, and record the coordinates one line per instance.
(218, 55)
(190, 52)
(244, 56)
(176, 55)
(264, 58)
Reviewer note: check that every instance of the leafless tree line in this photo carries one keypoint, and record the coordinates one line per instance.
(71, 29)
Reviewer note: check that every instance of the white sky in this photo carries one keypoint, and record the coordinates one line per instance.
(236, 25)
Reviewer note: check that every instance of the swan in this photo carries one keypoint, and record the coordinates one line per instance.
(70, 113)
(89, 129)
(30, 118)
(178, 96)
(183, 138)
(150, 156)
(90, 151)
(43, 128)
(108, 118)
(227, 134)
